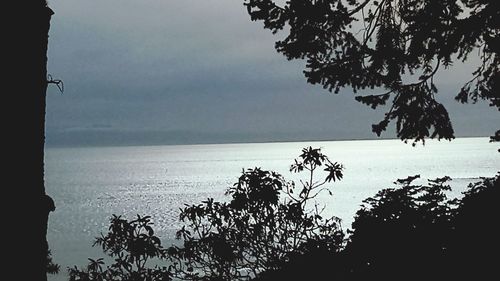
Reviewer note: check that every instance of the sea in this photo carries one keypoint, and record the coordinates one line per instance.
(90, 184)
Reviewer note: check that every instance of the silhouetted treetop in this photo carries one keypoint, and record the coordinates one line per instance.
(398, 45)
(266, 222)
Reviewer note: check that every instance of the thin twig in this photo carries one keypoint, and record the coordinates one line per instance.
(58, 82)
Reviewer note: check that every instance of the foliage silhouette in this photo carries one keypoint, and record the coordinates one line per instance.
(400, 46)
(476, 222)
(270, 229)
(401, 230)
(416, 232)
(257, 230)
(131, 244)
(413, 232)
(52, 268)
(266, 222)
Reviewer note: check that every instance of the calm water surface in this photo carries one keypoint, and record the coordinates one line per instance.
(90, 184)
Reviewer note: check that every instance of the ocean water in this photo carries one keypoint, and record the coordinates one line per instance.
(90, 184)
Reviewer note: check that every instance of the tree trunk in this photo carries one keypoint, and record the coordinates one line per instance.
(27, 41)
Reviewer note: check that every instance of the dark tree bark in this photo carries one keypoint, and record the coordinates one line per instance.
(24, 137)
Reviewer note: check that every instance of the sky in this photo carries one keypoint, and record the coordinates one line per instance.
(199, 71)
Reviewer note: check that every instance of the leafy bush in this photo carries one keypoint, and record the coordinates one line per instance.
(132, 244)
(412, 232)
(415, 232)
(402, 231)
(267, 221)
(271, 229)
(257, 230)
(476, 243)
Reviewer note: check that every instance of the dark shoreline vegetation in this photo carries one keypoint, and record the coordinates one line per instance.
(271, 229)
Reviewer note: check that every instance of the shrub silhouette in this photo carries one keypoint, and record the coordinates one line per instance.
(131, 244)
(403, 232)
(258, 230)
(52, 268)
(413, 232)
(266, 222)
(271, 229)
(476, 244)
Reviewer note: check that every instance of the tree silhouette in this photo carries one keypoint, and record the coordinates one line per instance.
(401, 230)
(131, 244)
(415, 232)
(476, 225)
(412, 232)
(266, 222)
(400, 45)
(258, 230)
(270, 230)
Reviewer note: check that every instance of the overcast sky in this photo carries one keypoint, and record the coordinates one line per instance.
(198, 71)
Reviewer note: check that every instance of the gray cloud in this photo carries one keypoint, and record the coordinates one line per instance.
(194, 71)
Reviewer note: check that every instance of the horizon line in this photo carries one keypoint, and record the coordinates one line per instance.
(409, 142)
